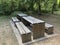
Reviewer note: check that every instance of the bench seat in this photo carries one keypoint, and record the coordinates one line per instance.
(49, 28)
(24, 32)
(15, 19)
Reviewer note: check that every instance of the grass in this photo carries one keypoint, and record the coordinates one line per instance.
(57, 12)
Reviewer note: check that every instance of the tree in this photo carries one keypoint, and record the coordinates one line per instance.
(54, 6)
(39, 6)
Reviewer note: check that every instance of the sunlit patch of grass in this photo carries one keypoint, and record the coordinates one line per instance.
(57, 12)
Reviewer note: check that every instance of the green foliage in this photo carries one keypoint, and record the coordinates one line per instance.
(9, 6)
(5, 8)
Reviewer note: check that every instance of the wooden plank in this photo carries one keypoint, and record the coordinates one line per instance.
(49, 28)
(26, 36)
(35, 19)
(32, 20)
(15, 30)
(14, 19)
(25, 28)
(27, 19)
(22, 15)
(48, 25)
(38, 30)
(19, 16)
(41, 39)
(20, 28)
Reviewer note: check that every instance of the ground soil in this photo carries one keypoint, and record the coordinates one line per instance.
(7, 37)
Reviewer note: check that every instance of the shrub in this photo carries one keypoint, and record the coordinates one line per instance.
(7, 8)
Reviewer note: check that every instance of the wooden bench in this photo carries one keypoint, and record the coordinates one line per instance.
(16, 32)
(14, 19)
(49, 28)
(37, 26)
(24, 32)
(19, 16)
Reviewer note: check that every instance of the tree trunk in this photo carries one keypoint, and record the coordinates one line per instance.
(39, 7)
(54, 6)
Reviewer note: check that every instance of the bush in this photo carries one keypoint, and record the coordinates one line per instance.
(7, 8)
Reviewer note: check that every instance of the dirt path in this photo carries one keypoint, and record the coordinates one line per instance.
(7, 36)
(54, 20)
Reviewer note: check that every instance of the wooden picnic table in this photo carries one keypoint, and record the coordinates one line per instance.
(37, 26)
